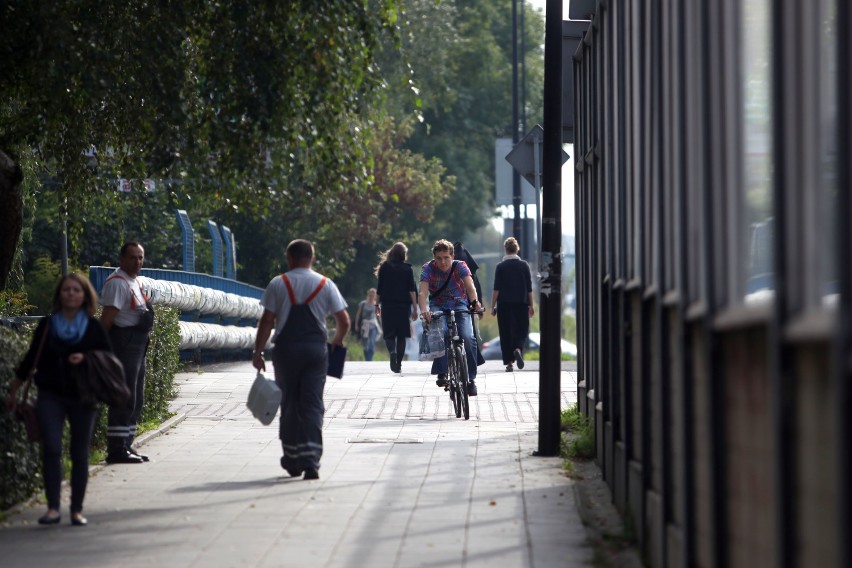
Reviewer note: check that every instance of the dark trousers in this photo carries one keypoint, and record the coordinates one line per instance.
(300, 372)
(129, 345)
(513, 323)
(52, 410)
(396, 326)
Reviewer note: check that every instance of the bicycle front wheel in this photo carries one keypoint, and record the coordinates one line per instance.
(453, 378)
(462, 381)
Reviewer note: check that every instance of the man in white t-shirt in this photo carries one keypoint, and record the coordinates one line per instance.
(128, 318)
(296, 304)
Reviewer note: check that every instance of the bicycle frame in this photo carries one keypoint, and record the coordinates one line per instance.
(457, 373)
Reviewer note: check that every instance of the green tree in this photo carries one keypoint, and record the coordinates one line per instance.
(454, 77)
(462, 131)
(236, 102)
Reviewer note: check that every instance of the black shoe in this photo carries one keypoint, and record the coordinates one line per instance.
(519, 358)
(291, 471)
(48, 519)
(471, 388)
(396, 363)
(79, 520)
(123, 456)
(135, 452)
(442, 380)
(311, 473)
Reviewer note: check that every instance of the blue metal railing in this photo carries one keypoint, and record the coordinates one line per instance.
(99, 274)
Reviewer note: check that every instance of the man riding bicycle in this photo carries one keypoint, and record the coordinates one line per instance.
(446, 284)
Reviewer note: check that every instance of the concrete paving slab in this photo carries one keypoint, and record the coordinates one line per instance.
(402, 483)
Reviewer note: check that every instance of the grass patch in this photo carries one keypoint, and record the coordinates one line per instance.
(536, 356)
(572, 420)
(582, 447)
(567, 463)
(580, 441)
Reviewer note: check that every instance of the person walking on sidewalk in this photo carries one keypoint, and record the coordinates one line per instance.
(128, 319)
(367, 326)
(512, 303)
(59, 350)
(296, 304)
(397, 296)
(446, 284)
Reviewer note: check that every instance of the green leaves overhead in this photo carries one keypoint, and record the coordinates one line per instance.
(227, 96)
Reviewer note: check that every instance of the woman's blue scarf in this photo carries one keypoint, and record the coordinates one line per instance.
(69, 331)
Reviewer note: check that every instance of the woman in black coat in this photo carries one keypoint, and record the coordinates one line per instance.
(397, 301)
(68, 336)
(512, 302)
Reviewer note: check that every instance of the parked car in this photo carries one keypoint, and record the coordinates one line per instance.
(491, 348)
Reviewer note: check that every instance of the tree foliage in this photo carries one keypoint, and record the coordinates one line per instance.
(457, 64)
(350, 122)
(234, 102)
(462, 135)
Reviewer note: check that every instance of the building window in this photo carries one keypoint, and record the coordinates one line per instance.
(757, 145)
(827, 290)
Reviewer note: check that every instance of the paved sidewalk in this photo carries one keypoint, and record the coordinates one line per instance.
(402, 483)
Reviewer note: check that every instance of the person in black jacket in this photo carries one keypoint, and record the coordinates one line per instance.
(71, 333)
(512, 303)
(463, 254)
(396, 300)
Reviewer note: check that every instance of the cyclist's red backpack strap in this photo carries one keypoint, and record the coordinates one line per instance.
(317, 291)
(289, 289)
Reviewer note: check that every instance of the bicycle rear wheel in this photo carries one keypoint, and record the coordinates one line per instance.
(462, 376)
(453, 377)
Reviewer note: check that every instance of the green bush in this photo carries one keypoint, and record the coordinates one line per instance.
(162, 364)
(20, 466)
(13, 304)
(41, 283)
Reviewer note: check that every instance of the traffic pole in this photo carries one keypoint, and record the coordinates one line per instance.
(550, 306)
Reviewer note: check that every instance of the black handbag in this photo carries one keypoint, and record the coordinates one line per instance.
(146, 318)
(104, 380)
(25, 411)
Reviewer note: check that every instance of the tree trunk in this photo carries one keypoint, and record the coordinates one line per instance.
(11, 214)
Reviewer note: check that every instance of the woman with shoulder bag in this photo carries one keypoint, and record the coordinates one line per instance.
(71, 333)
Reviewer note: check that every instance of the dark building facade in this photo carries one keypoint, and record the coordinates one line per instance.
(712, 188)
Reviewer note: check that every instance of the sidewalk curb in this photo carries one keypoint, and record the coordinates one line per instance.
(162, 429)
(145, 438)
(603, 523)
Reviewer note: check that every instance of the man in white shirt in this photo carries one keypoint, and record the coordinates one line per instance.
(296, 304)
(128, 318)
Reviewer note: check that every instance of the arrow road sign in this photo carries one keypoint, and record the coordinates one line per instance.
(525, 157)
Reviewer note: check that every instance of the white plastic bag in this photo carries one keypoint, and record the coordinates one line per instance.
(264, 399)
(432, 344)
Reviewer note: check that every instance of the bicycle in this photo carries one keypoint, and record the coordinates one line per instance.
(457, 374)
